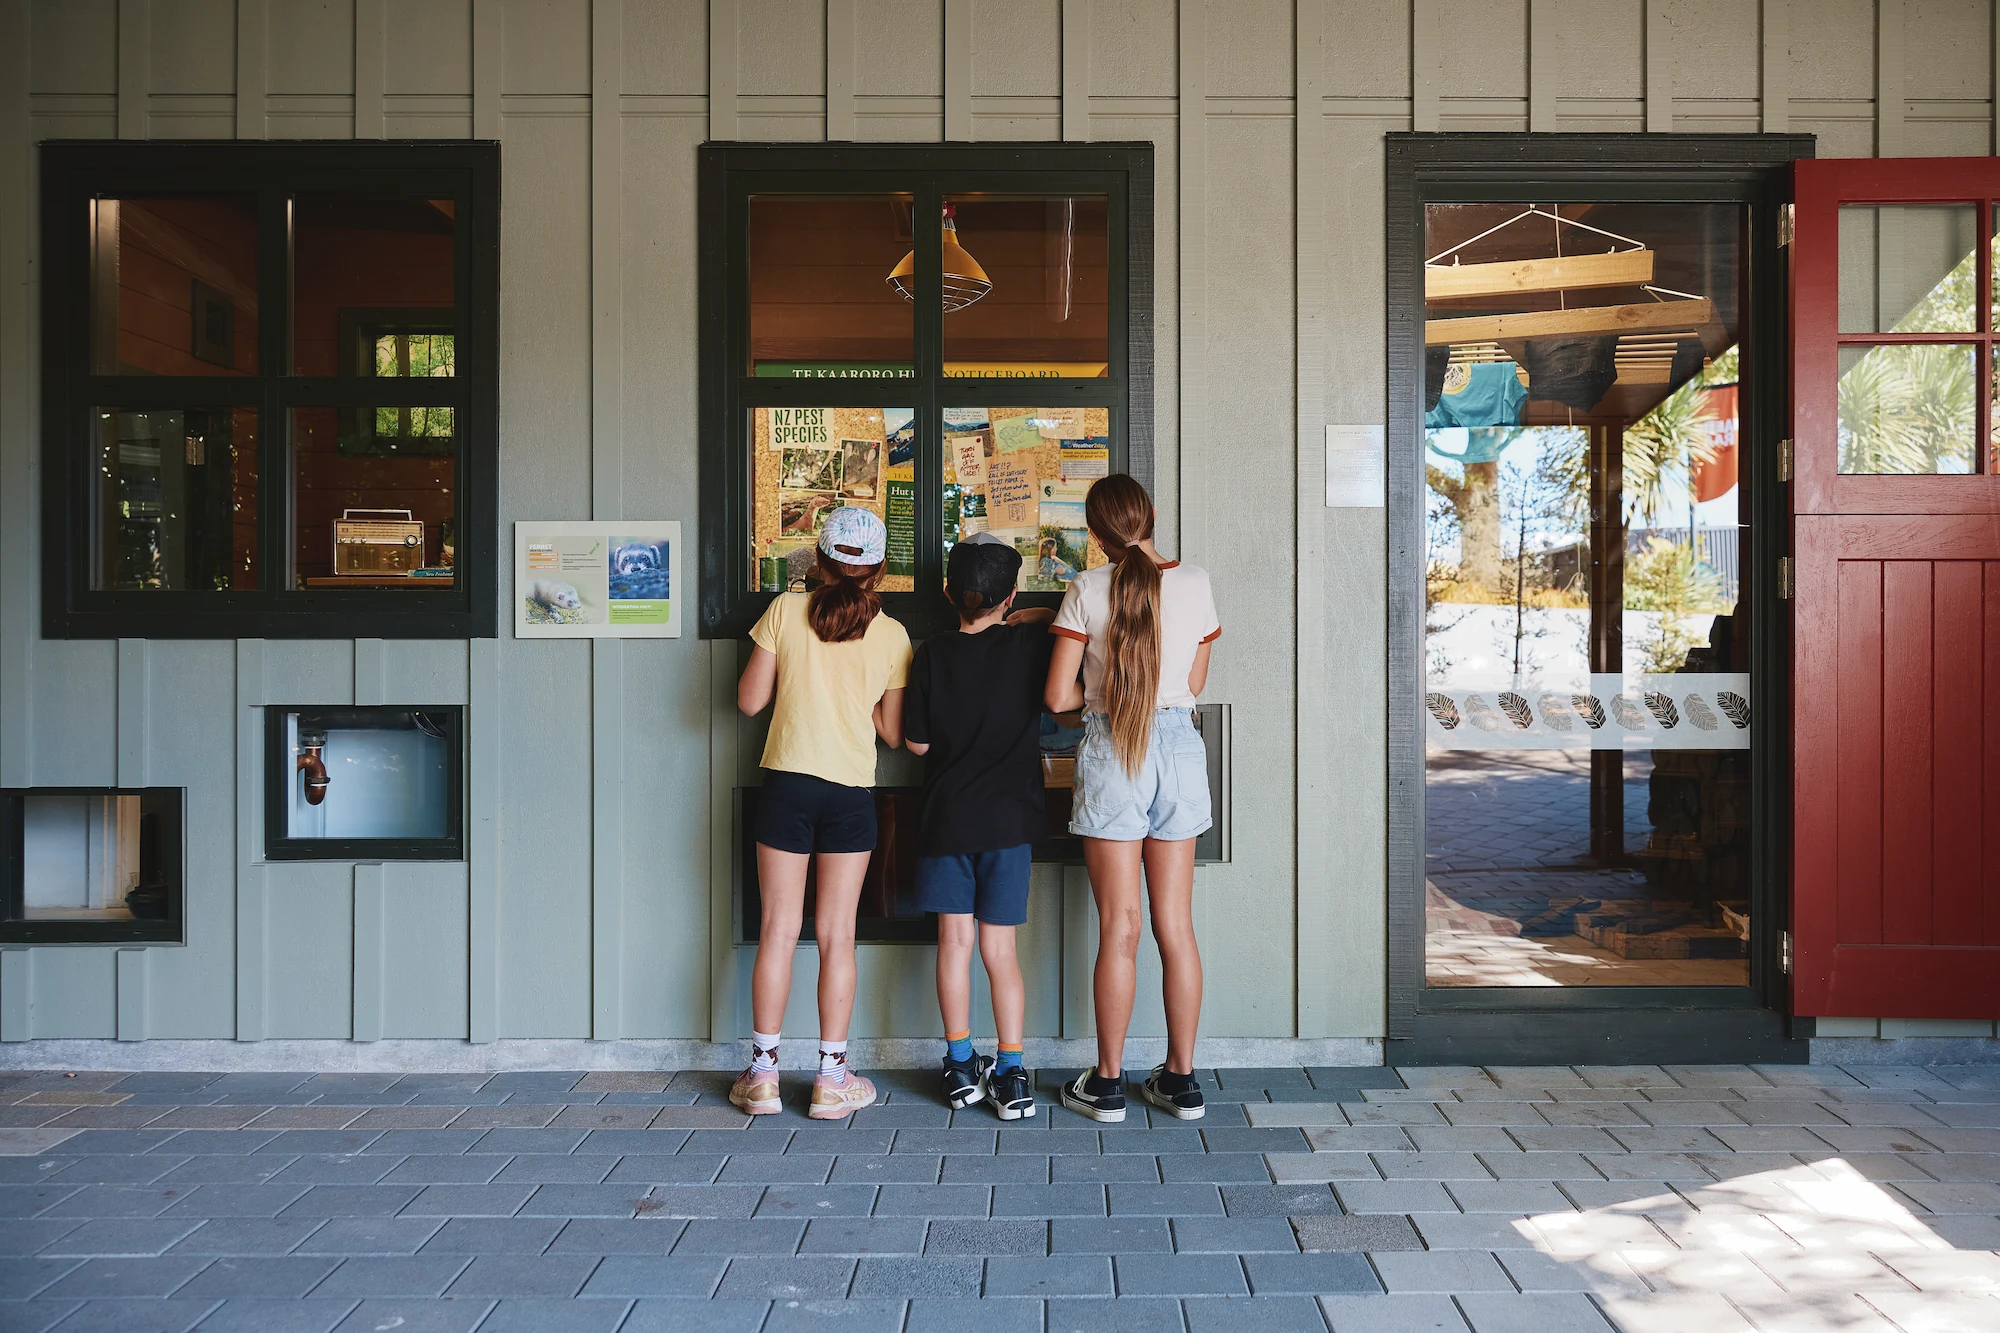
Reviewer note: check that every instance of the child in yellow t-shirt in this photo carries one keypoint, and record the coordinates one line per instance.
(835, 666)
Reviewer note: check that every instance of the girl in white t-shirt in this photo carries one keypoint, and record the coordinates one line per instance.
(1139, 630)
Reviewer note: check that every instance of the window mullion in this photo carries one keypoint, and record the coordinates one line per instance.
(274, 353)
(928, 235)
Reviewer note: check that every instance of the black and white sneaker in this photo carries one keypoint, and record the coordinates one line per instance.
(1009, 1092)
(964, 1082)
(1182, 1102)
(1103, 1104)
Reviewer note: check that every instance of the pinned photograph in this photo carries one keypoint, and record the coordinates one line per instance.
(861, 469)
(810, 470)
(803, 513)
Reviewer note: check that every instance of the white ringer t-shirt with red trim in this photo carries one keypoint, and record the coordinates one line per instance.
(1187, 620)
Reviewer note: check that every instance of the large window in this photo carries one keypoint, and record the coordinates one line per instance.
(271, 389)
(955, 338)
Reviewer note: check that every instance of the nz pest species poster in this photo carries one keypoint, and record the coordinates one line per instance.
(603, 580)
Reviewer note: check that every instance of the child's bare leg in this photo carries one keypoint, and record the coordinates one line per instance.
(1115, 883)
(1170, 886)
(781, 879)
(1003, 973)
(954, 970)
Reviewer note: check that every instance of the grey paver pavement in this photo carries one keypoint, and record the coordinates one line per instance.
(1544, 1200)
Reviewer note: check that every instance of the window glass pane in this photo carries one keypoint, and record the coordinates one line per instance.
(1021, 473)
(176, 499)
(822, 303)
(366, 772)
(94, 857)
(1586, 653)
(1907, 407)
(809, 461)
(372, 285)
(1026, 285)
(1907, 268)
(374, 497)
(173, 285)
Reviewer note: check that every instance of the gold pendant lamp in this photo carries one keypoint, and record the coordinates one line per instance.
(964, 281)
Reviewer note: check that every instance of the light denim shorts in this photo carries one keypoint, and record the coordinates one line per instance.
(1168, 799)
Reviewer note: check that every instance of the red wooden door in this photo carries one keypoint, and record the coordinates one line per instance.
(1896, 537)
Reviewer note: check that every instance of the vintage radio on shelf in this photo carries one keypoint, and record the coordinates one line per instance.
(379, 541)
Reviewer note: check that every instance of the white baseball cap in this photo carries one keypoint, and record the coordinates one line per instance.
(855, 536)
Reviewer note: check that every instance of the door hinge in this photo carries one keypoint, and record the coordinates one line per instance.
(1787, 219)
(1785, 952)
(1785, 577)
(1784, 460)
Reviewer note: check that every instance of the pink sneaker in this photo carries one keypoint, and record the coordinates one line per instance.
(755, 1093)
(831, 1103)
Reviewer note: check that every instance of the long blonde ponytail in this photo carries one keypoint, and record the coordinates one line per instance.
(1120, 514)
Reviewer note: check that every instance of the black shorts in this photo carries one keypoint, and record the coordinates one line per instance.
(797, 812)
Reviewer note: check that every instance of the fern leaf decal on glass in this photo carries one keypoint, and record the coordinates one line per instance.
(1589, 709)
(1662, 707)
(1630, 716)
(1443, 709)
(1555, 712)
(1481, 713)
(1736, 707)
(1699, 713)
(1516, 708)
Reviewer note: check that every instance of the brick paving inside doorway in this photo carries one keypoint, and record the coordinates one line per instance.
(1709, 1198)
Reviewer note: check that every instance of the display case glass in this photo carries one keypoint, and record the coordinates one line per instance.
(175, 499)
(363, 783)
(81, 865)
(862, 304)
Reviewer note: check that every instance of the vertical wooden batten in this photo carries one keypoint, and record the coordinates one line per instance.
(488, 66)
(1659, 82)
(370, 55)
(482, 840)
(132, 987)
(1775, 88)
(1192, 175)
(135, 49)
(722, 75)
(1076, 71)
(724, 1023)
(134, 660)
(607, 501)
(1543, 71)
(839, 70)
(1311, 869)
(371, 945)
(1426, 57)
(252, 68)
(251, 909)
(17, 994)
(957, 71)
(1889, 88)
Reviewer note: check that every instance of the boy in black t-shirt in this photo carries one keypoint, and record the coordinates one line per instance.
(973, 709)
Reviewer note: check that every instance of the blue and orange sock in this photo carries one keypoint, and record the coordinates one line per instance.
(958, 1047)
(1010, 1057)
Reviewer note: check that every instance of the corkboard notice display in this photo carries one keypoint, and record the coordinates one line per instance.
(810, 461)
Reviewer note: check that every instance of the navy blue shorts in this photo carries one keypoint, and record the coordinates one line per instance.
(993, 886)
(797, 812)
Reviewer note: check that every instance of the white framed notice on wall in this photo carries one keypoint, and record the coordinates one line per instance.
(597, 580)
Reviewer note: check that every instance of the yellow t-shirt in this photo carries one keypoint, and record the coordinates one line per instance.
(821, 723)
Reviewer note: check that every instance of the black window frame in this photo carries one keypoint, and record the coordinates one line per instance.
(172, 864)
(731, 173)
(280, 772)
(72, 174)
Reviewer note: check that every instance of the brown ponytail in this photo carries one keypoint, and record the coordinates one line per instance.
(842, 607)
(1120, 514)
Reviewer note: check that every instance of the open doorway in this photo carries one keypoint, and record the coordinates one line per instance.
(1586, 373)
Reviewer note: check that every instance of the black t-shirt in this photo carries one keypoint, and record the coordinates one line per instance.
(976, 700)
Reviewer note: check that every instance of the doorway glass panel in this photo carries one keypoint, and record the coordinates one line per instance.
(1587, 688)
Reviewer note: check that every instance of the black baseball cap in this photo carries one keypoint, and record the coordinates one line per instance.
(980, 573)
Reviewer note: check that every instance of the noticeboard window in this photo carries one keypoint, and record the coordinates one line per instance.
(271, 390)
(862, 304)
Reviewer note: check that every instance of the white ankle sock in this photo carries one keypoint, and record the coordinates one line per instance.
(764, 1052)
(833, 1062)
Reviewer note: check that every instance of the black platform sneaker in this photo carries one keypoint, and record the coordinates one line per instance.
(1180, 1097)
(1010, 1093)
(963, 1080)
(1087, 1094)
